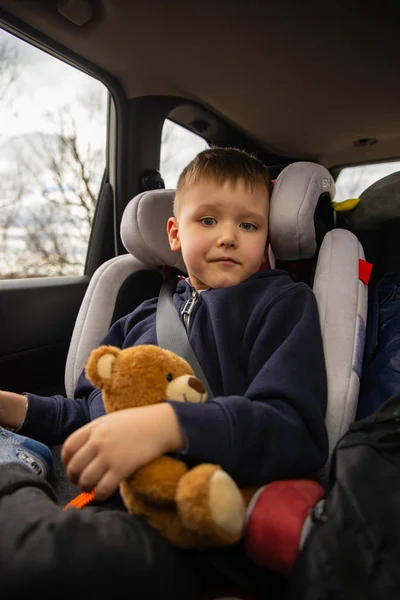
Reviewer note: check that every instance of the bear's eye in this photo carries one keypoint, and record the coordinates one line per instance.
(169, 377)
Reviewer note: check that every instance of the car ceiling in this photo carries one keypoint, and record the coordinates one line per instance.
(303, 79)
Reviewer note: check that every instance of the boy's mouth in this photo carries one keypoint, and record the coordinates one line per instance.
(225, 260)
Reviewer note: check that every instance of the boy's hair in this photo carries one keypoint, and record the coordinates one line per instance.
(221, 165)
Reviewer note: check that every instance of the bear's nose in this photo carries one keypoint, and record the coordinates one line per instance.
(196, 385)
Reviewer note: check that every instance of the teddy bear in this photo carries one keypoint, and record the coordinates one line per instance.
(198, 507)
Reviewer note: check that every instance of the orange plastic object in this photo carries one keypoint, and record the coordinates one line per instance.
(80, 501)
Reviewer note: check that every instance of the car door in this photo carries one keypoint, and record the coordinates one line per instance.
(54, 192)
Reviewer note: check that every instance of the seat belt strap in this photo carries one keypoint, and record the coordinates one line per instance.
(171, 332)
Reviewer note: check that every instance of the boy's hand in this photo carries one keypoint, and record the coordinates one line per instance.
(12, 409)
(111, 448)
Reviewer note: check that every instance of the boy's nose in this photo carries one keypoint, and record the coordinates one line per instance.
(229, 242)
(227, 238)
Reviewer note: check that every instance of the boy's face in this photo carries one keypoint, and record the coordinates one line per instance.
(222, 232)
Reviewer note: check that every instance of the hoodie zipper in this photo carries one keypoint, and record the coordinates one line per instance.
(188, 308)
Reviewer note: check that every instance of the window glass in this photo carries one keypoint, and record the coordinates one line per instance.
(178, 147)
(52, 160)
(354, 180)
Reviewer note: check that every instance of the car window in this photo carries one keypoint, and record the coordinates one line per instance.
(52, 160)
(352, 181)
(178, 147)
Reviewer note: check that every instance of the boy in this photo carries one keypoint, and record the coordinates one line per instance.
(257, 337)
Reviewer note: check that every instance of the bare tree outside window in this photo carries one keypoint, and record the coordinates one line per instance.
(50, 202)
(10, 67)
(50, 177)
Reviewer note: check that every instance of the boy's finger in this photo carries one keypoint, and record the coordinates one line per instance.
(107, 486)
(80, 460)
(72, 444)
(92, 474)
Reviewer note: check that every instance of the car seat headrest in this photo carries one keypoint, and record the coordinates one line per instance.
(301, 211)
(299, 192)
(144, 229)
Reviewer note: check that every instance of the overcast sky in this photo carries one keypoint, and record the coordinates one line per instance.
(44, 84)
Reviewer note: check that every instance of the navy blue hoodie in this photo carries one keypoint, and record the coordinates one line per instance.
(259, 344)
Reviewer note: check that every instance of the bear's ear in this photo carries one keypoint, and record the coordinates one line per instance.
(99, 365)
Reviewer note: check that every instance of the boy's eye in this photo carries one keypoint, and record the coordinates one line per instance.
(208, 221)
(248, 226)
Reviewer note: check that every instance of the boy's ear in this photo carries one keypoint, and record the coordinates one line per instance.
(173, 234)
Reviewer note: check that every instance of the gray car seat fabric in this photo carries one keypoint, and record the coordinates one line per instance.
(144, 229)
(295, 198)
(342, 300)
(96, 311)
(341, 297)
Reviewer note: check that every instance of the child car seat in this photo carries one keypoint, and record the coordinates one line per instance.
(296, 235)
(302, 192)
